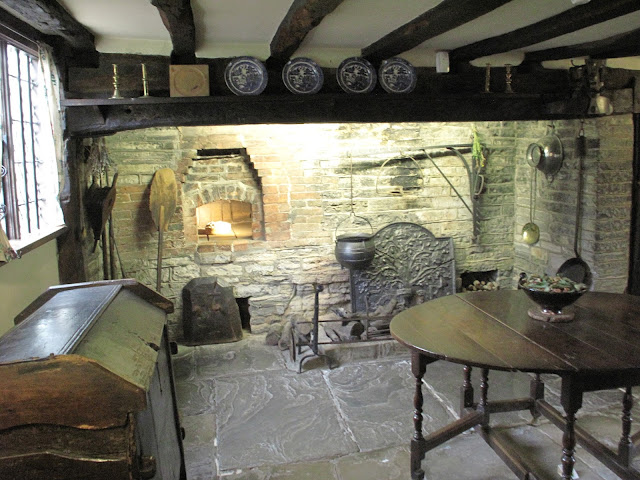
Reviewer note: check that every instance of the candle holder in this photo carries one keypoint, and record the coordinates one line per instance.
(145, 82)
(508, 78)
(116, 91)
(487, 78)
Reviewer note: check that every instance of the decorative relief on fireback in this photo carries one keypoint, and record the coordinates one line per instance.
(411, 265)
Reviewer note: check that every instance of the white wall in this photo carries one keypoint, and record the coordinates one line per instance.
(22, 280)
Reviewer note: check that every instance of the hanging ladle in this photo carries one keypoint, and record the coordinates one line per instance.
(531, 231)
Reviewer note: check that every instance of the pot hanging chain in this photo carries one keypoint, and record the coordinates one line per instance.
(532, 196)
(351, 184)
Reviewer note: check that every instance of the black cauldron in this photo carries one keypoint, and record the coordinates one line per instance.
(355, 250)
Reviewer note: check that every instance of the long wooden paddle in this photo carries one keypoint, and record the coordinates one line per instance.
(162, 203)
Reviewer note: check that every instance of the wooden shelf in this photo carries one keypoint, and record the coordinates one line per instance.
(90, 116)
(319, 98)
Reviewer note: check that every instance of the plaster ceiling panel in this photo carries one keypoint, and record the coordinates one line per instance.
(625, 23)
(358, 23)
(238, 27)
(351, 27)
(511, 16)
(140, 30)
(106, 18)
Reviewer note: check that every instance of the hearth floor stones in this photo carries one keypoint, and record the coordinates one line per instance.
(250, 416)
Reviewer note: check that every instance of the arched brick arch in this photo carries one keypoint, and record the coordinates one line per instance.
(222, 177)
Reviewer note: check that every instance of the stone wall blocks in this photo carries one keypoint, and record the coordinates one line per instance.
(213, 258)
(309, 162)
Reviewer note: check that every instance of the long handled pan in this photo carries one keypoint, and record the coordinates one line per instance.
(576, 268)
(162, 203)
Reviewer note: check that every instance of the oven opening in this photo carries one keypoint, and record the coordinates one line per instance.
(225, 219)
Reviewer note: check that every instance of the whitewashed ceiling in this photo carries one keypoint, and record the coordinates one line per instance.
(226, 28)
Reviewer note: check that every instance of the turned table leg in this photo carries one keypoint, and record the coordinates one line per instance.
(571, 399)
(484, 396)
(536, 392)
(466, 390)
(418, 368)
(625, 446)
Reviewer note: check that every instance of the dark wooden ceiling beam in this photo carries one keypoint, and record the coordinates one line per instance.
(49, 18)
(446, 16)
(177, 16)
(291, 109)
(302, 17)
(577, 18)
(622, 45)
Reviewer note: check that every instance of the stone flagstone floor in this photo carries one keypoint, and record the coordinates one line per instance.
(248, 415)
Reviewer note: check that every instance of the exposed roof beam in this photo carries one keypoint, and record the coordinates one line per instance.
(49, 18)
(577, 18)
(177, 16)
(302, 17)
(621, 45)
(447, 15)
(20, 31)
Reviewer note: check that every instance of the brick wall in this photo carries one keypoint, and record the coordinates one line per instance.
(304, 172)
(606, 201)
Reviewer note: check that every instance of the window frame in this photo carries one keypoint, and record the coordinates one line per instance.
(23, 237)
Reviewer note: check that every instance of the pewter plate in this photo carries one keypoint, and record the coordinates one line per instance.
(246, 76)
(302, 76)
(356, 75)
(396, 75)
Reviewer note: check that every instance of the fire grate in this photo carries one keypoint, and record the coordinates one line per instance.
(411, 266)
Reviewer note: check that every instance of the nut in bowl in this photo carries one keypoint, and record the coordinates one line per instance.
(552, 295)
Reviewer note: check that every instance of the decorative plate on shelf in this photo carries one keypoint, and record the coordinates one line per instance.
(396, 75)
(356, 75)
(189, 80)
(246, 76)
(302, 76)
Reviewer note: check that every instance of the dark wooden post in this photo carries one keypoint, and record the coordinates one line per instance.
(418, 368)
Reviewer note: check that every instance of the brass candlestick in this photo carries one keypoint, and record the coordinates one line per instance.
(507, 76)
(145, 82)
(116, 91)
(487, 78)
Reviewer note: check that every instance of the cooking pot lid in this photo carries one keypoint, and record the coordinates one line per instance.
(534, 154)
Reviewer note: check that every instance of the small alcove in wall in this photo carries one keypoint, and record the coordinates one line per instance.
(225, 193)
(225, 219)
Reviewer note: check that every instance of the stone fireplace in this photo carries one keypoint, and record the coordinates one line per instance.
(297, 183)
(225, 190)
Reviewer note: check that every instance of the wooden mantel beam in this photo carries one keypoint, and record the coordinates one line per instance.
(446, 16)
(50, 18)
(302, 17)
(177, 16)
(85, 119)
(576, 18)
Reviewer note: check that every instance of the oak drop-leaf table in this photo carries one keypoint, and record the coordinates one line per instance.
(598, 350)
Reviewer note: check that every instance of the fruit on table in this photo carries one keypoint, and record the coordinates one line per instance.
(554, 284)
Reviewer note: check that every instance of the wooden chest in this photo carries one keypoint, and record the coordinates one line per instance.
(87, 387)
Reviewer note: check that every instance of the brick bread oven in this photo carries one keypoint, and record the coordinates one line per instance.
(297, 179)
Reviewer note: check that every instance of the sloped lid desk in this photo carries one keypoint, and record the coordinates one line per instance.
(87, 387)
